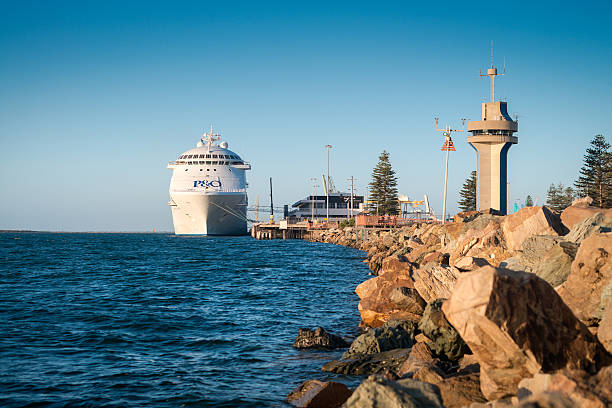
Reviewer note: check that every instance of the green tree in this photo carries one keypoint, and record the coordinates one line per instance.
(559, 197)
(468, 193)
(595, 178)
(528, 201)
(383, 187)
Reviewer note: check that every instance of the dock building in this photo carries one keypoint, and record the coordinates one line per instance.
(339, 207)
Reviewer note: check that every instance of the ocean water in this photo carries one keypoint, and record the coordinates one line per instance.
(159, 320)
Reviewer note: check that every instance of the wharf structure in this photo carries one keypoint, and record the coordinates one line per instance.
(492, 137)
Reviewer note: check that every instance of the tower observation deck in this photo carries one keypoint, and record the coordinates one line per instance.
(492, 137)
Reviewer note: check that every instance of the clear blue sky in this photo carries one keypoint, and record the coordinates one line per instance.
(97, 99)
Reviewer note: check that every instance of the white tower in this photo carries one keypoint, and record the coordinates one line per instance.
(492, 137)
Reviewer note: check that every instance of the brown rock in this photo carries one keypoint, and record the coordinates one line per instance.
(417, 254)
(430, 374)
(434, 281)
(516, 324)
(577, 213)
(549, 257)
(420, 356)
(318, 394)
(582, 389)
(481, 238)
(530, 221)
(431, 257)
(589, 284)
(461, 391)
(468, 263)
(547, 400)
(388, 297)
(395, 264)
(604, 333)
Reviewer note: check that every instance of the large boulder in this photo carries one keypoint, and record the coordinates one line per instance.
(379, 392)
(434, 281)
(318, 339)
(604, 333)
(460, 391)
(389, 296)
(577, 213)
(318, 394)
(530, 221)
(516, 325)
(549, 257)
(598, 223)
(421, 365)
(481, 238)
(577, 386)
(445, 341)
(394, 334)
(394, 263)
(589, 285)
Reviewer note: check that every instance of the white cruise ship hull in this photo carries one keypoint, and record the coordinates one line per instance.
(218, 213)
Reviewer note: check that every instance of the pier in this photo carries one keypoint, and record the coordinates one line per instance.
(304, 229)
(281, 230)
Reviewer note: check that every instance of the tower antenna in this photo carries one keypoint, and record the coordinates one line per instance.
(491, 54)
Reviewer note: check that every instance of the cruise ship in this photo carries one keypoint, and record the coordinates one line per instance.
(208, 190)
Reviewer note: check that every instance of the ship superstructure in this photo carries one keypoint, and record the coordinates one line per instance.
(208, 190)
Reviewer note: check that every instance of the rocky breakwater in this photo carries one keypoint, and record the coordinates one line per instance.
(486, 311)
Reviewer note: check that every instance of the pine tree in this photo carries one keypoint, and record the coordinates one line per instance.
(528, 201)
(559, 197)
(383, 187)
(468, 193)
(595, 178)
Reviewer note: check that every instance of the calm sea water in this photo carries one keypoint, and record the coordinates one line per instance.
(160, 320)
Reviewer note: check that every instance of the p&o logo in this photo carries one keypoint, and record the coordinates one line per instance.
(207, 183)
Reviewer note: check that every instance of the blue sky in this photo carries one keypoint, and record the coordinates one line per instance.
(97, 98)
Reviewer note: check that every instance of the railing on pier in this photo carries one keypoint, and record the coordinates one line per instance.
(385, 221)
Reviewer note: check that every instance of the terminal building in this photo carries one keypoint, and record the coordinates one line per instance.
(314, 207)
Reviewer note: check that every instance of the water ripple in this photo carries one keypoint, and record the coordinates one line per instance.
(121, 320)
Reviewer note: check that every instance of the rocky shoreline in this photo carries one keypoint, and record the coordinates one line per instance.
(487, 311)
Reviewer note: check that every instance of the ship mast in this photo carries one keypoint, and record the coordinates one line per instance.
(209, 137)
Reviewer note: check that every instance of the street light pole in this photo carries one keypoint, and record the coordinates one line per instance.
(328, 147)
(312, 201)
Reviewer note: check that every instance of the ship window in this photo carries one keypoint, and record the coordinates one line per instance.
(207, 169)
(208, 162)
(208, 156)
(200, 169)
(185, 169)
(227, 156)
(202, 162)
(214, 156)
(214, 163)
(215, 169)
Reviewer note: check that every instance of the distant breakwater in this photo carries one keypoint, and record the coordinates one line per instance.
(486, 309)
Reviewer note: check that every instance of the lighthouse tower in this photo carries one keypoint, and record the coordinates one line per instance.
(491, 138)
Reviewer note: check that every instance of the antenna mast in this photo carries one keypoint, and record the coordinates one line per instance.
(448, 146)
(492, 73)
(209, 137)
